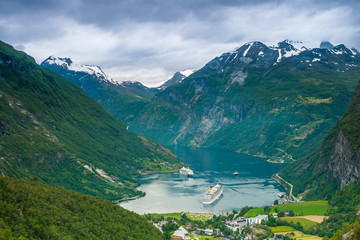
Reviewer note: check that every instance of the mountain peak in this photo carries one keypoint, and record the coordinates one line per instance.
(68, 64)
(177, 78)
(326, 45)
(58, 61)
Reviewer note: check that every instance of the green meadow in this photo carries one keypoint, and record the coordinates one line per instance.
(307, 224)
(306, 208)
(318, 208)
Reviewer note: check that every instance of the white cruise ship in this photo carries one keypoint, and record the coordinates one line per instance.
(213, 194)
(186, 171)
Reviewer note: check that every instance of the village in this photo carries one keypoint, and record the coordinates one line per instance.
(235, 226)
(283, 221)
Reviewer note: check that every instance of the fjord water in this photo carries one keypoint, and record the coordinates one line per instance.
(172, 192)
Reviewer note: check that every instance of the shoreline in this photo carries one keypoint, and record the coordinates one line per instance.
(266, 158)
(155, 172)
(275, 161)
(143, 194)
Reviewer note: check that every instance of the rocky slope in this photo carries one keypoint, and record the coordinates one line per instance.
(274, 101)
(337, 163)
(123, 100)
(50, 129)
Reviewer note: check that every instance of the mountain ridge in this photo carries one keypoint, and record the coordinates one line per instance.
(227, 103)
(121, 99)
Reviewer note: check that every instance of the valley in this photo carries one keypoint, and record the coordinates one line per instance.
(276, 102)
(169, 120)
(173, 192)
(250, 102)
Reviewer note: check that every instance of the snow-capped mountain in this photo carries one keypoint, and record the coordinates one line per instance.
(122, 99)
(69, 65)
(257, 99)
(177, 78)
(257, 54)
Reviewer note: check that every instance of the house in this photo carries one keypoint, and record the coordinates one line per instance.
(235, 224)
(286, 212)
(209, 232)
(161, 223)
(257, 220)
(181, 233)
(278, 236)
(275, 215)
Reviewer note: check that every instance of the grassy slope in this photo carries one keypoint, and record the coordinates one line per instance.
(50, 129)
(37, 211)
(297, 234)
(301, 209)
(307, 224)
(306, 208)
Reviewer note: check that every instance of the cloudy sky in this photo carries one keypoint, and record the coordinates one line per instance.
(149, 40)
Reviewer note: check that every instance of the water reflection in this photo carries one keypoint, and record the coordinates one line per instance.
(252, 186)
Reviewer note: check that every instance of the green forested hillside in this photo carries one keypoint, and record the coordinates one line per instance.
(345, 204)
(50, 129)
(122, 100)
(31, 210)
(336, 164)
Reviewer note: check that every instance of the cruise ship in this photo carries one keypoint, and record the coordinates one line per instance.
(186, 171)
(213, 194)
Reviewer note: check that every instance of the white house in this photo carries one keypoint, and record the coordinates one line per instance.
(181, 233)
(257, 220)
(235, 224)
(209, 232)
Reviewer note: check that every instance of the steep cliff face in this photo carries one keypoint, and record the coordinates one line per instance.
(275, 101)
(337, 163)
(345, 162)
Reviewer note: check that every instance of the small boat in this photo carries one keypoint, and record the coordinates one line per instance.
(213, 194)
(186, 171)
(236, 173)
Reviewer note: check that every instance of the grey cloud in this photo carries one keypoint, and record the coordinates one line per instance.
(168, 34)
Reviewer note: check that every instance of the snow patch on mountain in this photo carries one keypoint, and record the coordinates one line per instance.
(291, 53)
(188, 72)
(298, 45)
(337, 52)
(247, 50)
(279, 57)
(76, 67)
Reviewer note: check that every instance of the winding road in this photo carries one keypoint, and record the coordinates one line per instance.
(291, 188)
